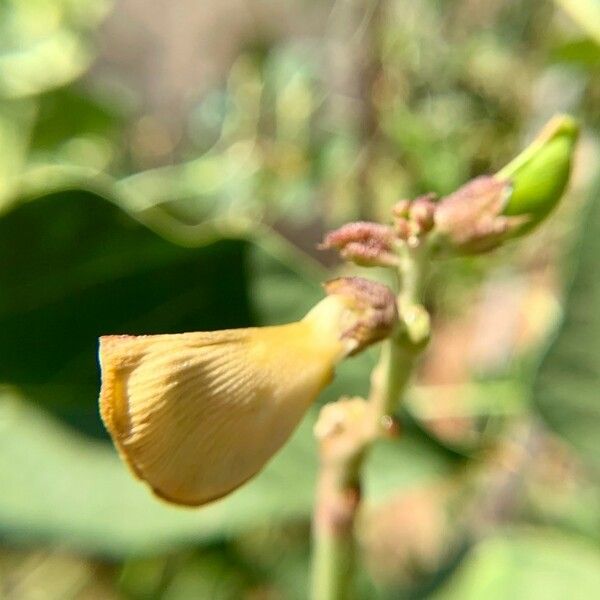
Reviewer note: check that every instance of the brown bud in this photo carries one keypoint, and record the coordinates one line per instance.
(365, 243)
(375, 314)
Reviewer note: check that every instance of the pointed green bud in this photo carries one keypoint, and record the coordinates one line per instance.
(540, 173)
(489, 210)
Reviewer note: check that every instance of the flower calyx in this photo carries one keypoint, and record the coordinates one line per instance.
(373, 313)
(471, 219)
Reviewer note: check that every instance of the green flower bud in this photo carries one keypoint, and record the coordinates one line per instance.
(540, 173)
(489, 210)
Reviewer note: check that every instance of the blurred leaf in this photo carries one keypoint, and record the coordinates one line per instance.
(278, 294)
(584, 52)
(16, 121)
(403, 463)
(145, 578)
(436, 157)
(23, 574)
(48, 63)
(566, 389)
(525, 565)
(65, 118)
(215, 184)
(586, 13)
(43, 43)
(210, 575)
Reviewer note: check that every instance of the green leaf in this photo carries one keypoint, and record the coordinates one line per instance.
(69, 124)
(526, 565)
(16, 121)
(584, 52)
(567, 384)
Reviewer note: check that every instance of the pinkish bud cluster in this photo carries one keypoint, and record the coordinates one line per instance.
(413, 219)
(364, 243)
(468, 221)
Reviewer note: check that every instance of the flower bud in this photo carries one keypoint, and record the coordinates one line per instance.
(540, 173)
(422, 211)
(413, 219)
(488, 210)
(364, 243)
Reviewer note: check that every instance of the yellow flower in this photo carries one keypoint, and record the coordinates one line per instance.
(195, 415)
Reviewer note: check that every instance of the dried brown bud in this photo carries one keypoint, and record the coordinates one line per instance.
(373, 302)
(471, 218)
(367, 244)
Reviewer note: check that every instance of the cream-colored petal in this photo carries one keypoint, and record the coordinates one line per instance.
(198, 414)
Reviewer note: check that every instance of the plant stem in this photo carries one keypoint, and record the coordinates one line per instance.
(390, 377)
(338, 496)
(347, 428)
(400, 352)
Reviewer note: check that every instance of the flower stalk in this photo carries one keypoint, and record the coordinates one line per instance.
(346, 429)
(341, 446)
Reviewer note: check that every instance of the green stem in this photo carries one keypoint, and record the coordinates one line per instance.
(400, 352)
(412, 271)
(333, 561)
(338, 496)
(391, 376)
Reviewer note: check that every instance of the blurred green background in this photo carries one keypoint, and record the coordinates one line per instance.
(169, 166)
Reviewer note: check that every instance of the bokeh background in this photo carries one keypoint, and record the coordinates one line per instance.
(170, 166)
